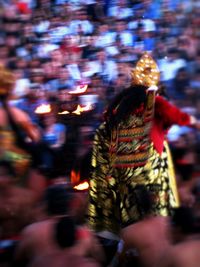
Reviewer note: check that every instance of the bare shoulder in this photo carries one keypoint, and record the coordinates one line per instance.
(36, 228)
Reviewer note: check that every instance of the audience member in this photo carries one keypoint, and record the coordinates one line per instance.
(150, 237)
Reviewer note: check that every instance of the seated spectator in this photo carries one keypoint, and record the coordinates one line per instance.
(53, 138)
(66, 253)
(148, 237)
(38, 239)
(185, 236)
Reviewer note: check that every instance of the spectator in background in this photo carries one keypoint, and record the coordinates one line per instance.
(105, 37)
(81, 23)
(53, 138)
(22, 84)
(123, 33)
(45, 47)
(105, 67)
(63, 80)
(181, 84)
(172, 63)
(120, 10)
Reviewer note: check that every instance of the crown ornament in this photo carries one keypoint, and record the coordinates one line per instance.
(146, 72)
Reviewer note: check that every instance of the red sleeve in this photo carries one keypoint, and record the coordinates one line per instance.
(169, 114)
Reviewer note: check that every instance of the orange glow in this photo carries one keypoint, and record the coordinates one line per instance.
(75, 177)
(79, 89)
(82, 186)
(43, 108)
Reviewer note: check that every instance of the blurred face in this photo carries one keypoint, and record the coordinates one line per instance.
(121, 26)
(57, 55)
(103, 28)
(11, 41)
(64, 96)
(18, 74)
(63, 74)
(101, 56)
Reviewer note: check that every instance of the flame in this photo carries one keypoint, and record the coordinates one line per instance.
(75, 179)
(79, 89)
(80, 109)
(82, 186)
(63, 112)
(43, 108)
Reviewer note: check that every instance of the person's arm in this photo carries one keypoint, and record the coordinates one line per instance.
(30, 129)
(169, 114)
(19, 121)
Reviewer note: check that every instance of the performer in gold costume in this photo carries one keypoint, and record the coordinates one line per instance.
(130, 149)
(15, 126)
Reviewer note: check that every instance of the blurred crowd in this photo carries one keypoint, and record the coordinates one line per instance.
(56, 47)
(70, 58)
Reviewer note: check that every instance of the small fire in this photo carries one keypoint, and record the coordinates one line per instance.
(75, 177)
(63, 112)
(78, 110)
(79, 89)
(43, 108)
(82, 186)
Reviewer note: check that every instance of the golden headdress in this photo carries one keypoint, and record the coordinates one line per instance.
(7, 80)
(146, 72)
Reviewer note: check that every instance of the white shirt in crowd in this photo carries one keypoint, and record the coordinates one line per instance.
(21, 87)
(105, 39)
(108, 69)
(74, 71)
(148, 25)
(85, 25)
(169, 68)
(45, 49)
(120, 13)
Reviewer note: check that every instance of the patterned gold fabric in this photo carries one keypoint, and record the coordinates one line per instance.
(112, 200)
(130, 140)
